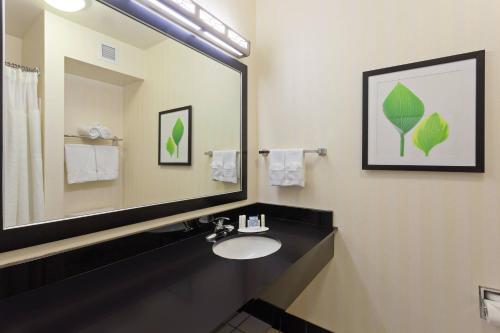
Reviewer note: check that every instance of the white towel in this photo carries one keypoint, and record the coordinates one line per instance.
(107, 162)
(493, 309)
(224, 166)
(277, 167)
(286, 167)
(294, 168)
(92, 132)
(217, 165)
(230, 171)
(104, 132)
(80, 163)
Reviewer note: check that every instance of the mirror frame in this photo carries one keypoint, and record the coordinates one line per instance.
(43, 232)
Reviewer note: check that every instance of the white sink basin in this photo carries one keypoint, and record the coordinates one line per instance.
(246, 247)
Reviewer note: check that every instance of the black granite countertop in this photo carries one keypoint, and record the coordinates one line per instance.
(182, 287)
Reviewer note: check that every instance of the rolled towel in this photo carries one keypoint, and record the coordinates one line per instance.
(104, 132)
(92, 132)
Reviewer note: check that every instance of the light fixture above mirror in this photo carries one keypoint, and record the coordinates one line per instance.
(199, 21)
(70, 6)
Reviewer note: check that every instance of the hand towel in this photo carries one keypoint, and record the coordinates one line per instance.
(230, 172)
(91, 132)
(80, 163)
(286, 167)
(493, 309)
(224, 166)
(277, 167)
(294, 168)
(217, 165)
(107, 162)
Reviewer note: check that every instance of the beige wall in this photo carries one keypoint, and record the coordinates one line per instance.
(88, 101)
(412, 247)
(177, 76)
(241, 15)
(13, 49)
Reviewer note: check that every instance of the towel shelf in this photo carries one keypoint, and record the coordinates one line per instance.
(319, 151)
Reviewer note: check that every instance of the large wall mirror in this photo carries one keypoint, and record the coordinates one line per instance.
(113, 116)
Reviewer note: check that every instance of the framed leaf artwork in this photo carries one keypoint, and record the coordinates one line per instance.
(174, 137)
(425, 116)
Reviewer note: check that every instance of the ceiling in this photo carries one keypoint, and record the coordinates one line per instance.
(20, 15)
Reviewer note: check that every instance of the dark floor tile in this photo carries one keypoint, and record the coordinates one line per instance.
(254, 325)
(238, 319)
(225, 329)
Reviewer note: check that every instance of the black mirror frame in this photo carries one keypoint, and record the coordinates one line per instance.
(24, 236)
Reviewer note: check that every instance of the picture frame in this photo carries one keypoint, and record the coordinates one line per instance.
(174, 136)
(426, 116)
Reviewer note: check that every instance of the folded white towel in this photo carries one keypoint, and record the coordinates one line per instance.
(80, 163)
(277, 167)
(91, 132)
(230, 171)
(217, 165)
(107, 161)
(493, 309)
(224, 166)
(286, 167)
(104, 132)
(294, 168)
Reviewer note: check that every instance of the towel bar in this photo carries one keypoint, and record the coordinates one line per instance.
(114, 139)
(210, 153)
(319, 151)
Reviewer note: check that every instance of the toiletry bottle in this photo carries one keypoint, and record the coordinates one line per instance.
(262, 220)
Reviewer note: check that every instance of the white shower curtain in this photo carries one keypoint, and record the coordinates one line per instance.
(22, 149)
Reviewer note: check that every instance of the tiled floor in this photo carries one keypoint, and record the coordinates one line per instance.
(244, 323)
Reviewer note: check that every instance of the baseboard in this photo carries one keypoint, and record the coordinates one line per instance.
(279, 319)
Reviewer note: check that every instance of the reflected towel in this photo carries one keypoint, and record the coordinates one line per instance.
(104, 132)
(107, 162)
(224, 166)
(230, 171)
(217, 165)
(80, 163)
(92, 132)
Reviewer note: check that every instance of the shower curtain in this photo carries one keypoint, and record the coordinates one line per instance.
(22, 149)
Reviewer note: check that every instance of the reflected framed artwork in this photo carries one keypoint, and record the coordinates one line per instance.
(425, 116)
(174, 136)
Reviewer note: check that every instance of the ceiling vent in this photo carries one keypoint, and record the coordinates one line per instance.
(108, 53)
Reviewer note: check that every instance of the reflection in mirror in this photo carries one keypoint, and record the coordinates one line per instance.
(119, 116)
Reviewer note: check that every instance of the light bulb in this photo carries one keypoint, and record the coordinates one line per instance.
(70, 6)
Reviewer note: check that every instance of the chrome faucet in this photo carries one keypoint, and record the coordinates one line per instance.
(221, 230)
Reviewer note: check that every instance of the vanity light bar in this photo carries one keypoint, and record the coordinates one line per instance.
(212, 21)
(162, 9)
(199, 21)
(187, 5)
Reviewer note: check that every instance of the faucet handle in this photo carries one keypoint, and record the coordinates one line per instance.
(219, 221)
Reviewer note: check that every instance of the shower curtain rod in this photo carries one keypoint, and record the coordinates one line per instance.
(23, 68)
